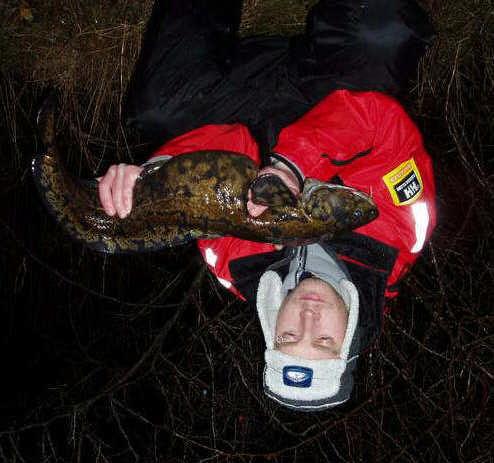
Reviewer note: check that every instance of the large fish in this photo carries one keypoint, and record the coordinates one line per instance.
(194, 195)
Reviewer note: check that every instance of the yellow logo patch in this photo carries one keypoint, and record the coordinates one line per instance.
(404, 183)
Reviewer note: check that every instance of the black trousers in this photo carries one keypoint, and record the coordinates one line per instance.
(194, 70)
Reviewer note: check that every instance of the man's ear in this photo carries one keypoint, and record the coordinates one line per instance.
(350, 296)
(269, 300)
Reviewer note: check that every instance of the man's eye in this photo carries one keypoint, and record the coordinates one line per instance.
(325, 340)
(286, 337)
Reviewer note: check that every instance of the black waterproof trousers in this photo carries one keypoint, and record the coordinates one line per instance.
(194, 70)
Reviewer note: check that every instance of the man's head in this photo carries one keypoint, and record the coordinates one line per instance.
(309, 326)
(311, 321)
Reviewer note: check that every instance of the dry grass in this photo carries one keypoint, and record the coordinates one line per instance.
(127, 359)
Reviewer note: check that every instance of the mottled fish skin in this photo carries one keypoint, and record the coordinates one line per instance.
(195, 195)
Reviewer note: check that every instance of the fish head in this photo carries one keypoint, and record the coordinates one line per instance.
(344, 207)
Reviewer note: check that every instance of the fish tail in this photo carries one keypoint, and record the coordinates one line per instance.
(45, 119)
(73, 203)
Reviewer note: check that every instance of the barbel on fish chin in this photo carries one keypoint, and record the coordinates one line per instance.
(196, 195)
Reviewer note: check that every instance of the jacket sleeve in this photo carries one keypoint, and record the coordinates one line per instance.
(341, 128)
(227, 137)
(370, 143)
(218, 252)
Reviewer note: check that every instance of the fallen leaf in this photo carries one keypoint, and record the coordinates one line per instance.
(25, 12)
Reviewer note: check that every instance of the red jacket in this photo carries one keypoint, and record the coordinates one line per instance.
(367, 141)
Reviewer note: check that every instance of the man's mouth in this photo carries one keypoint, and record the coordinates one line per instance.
(311, 297)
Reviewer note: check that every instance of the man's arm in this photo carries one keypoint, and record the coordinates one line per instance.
(116, 186)
(332, 134)
(369, 142)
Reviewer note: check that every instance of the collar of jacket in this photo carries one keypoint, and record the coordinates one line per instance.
(317, 261)
(247, 272)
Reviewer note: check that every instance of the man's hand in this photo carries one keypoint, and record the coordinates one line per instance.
(115, 189)
(288, 178)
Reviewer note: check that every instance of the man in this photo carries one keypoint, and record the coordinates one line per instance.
(318, 305)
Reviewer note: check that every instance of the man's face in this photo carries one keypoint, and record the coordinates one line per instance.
(312, 321)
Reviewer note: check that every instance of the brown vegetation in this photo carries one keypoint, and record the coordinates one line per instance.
(125, 358)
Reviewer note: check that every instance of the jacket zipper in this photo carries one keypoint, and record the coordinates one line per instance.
(302, 261)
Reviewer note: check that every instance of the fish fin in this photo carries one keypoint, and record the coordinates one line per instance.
(270, 190)
(178, 237)
(171, 237)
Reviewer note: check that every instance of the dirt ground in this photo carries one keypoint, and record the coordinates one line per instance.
(146, 358)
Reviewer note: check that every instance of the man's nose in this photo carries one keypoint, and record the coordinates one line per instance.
(309, 316)
(309, 312)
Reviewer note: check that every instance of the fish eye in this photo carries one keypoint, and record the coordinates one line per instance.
(357, 213)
